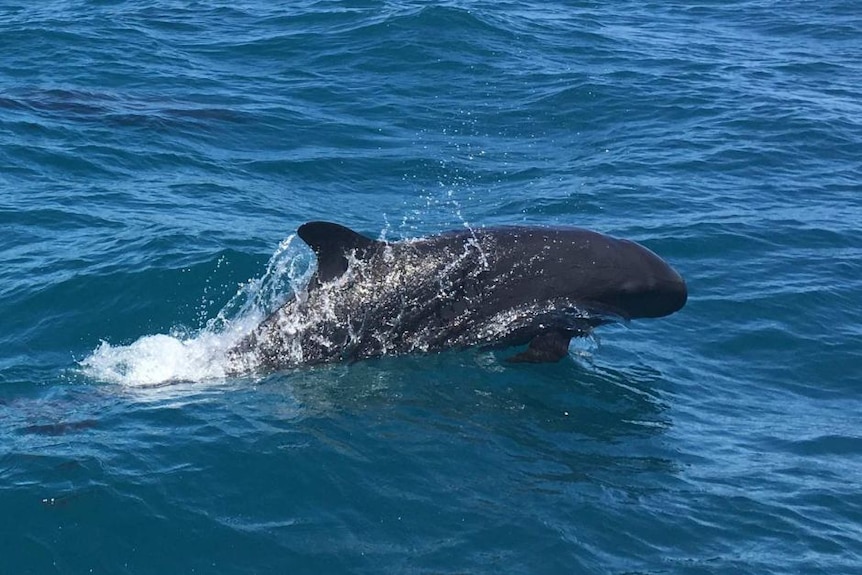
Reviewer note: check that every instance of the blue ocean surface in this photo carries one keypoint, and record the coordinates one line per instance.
(156, 158)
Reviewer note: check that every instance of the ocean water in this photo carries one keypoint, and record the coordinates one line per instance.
(156, 158)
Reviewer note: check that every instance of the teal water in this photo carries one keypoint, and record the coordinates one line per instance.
(155, 156)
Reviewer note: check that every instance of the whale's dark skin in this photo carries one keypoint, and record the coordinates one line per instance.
(487, 287)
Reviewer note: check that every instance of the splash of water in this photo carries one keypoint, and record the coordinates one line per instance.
(202, 355)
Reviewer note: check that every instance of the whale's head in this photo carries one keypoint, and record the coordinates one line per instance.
(616, 276)
(634, 282)
(644, 285)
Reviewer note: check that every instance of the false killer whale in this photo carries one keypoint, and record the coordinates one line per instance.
(490, 287)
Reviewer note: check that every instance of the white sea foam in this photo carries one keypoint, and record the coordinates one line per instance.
(159, 359)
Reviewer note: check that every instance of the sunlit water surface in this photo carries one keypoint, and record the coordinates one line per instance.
(156, 159)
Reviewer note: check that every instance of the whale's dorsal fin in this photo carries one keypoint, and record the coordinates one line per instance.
(332, 243)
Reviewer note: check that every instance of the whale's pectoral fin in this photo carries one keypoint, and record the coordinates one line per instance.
(332, 243)
(544, 348)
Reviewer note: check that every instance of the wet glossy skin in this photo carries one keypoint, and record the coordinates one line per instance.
(497, 286)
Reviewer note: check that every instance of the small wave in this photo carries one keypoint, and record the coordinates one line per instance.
(160, 359)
